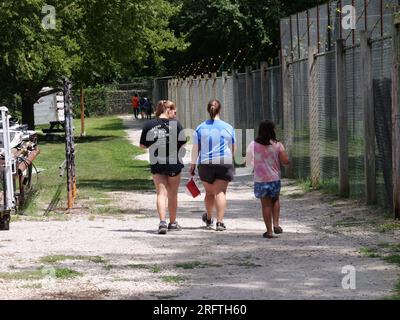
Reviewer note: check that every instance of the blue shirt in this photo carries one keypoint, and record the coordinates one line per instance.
(215, 139)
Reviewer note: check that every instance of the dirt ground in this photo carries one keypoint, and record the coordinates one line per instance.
(122, 256)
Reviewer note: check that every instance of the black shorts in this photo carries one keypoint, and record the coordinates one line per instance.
(170, 170)
(211, 172)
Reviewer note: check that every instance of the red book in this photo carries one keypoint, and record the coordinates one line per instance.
(193, 189)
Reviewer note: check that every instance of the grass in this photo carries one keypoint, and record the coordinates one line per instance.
(194, 265)
(104, 162)
(248, 264)
(53, 259)
(173, 279)
(59, 273)
(106, 210)
(396, 295)
(65, 273)
(389, 227)
(370, 252)
(390, 253)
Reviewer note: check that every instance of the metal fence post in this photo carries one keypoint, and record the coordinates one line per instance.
(396, 116)
(313, 88)
(343, 152)
(369, 117)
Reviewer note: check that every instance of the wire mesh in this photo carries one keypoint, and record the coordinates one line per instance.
(327, 121)
(300, 100)
(355, 122)
(382, 88)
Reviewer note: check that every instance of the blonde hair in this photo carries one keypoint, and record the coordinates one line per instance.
(163, 106)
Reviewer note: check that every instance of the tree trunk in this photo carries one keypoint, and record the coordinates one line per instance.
(28, 116)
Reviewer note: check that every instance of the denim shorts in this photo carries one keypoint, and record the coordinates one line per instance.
(267, 190)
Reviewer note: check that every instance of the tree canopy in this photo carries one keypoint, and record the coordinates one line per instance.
(103, 41)
(93, 42)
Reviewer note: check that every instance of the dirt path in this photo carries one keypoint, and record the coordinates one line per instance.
(122, 257)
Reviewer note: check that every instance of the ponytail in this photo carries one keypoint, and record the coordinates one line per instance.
(214, 108)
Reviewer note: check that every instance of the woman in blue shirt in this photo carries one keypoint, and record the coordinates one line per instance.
(213, 149)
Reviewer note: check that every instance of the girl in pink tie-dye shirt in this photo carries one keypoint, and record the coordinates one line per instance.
(265, 155)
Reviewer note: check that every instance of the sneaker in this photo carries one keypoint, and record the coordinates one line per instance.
(209, 223)
(163, 228)
(174, 227)
(221, 226)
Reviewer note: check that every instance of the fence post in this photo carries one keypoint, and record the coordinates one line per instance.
(344, 185)
(236, 105)
(227, 109)
(265, 108)
(396, 116)
(213, 86)
(287, 113)
(369, 117)
(191, 107)
(313, 94)
(249, 99)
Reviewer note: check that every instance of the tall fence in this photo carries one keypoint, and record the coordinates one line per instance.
(112, 99)
(331, 99)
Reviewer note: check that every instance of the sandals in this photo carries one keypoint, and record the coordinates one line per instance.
(278, 230)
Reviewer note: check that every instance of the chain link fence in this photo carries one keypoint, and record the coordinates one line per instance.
(302, 98)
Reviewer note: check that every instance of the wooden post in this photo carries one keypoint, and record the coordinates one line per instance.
(369, 118)
(249, 111)
(227, 109)
(237, 106)
(396, 116)
(344, 185)
(265, 108)
(287, 113)
(83, 133)
(313, 94)
(213, 86)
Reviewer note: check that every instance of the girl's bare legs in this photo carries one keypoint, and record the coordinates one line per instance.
(216, 197)
(267, 207)
(220, 198)
(276, 209)
(161, 184)
(209, 199)
(172, 189)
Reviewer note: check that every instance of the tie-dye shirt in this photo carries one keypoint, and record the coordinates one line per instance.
(265, 161)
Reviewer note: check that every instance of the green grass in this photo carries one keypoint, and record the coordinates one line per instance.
(104, 162)
(106, 210)
(388, 252)
(53, 259)
(28, 275)
(173, 279)
(389, 227)
(394, 258)
(22, 275)
(195, 265)
(396, 295)
(370, 252)
(65, 273)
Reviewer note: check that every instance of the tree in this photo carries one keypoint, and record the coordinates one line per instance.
(215, 28)
(93, 41)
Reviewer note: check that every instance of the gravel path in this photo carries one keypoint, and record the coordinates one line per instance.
(122, 257)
